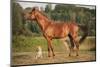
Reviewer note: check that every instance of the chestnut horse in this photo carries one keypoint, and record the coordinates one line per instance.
(57, 30)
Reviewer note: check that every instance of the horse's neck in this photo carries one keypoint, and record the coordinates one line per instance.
(42, 21)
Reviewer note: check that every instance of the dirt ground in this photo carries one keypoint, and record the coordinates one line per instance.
(27, 58)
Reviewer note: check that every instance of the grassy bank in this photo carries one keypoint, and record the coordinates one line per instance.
(29, 44)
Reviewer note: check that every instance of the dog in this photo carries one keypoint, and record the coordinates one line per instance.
(39, 53)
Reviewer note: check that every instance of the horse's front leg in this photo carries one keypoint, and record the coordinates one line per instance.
(50, 48)
(48, 41)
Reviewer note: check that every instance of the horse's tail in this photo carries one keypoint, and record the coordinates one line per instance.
(84, 28)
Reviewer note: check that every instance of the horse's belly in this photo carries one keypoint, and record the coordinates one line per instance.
(56, 32)
(60, 35)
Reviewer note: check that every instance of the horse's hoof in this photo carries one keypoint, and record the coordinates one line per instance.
(53, 54)
(77, 55)
(69, 55)
(49, 56)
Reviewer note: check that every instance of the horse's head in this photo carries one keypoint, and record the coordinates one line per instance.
(31, 15)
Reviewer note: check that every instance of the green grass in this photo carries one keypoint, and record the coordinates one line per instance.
(29, 44)
(89, 44)
(25, 44)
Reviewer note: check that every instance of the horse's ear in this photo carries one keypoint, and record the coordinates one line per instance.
(35, 8)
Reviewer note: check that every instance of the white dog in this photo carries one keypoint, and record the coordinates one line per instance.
(39, 52)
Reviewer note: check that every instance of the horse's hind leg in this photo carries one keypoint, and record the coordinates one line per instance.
(77, 47)
(66, 45)
(76, 43)
(72, 44)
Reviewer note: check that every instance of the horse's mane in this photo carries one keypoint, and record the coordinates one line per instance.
(44, 14)
(46, 17)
